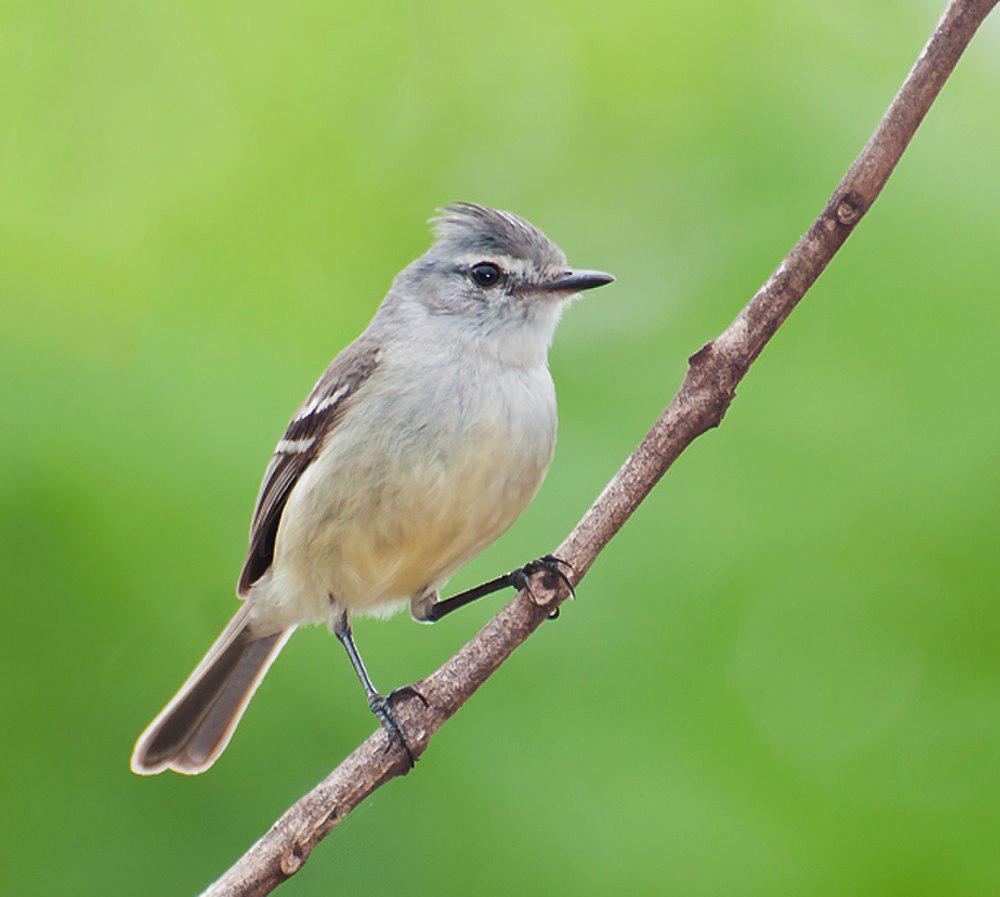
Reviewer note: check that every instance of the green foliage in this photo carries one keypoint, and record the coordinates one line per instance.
(781, 678)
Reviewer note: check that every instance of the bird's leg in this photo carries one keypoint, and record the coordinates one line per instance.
(516, 579)
(442, 608)
(379, 705)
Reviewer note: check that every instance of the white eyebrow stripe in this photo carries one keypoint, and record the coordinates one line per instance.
(294, 446)
(508, 263)
(321, 403)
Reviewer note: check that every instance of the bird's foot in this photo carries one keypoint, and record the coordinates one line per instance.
(385, 712)
(552, 567)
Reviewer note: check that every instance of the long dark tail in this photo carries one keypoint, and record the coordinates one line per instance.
(191, 732)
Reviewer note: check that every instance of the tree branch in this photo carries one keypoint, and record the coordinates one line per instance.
(714, 372)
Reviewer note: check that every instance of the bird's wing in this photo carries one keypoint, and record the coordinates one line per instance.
(304, 437)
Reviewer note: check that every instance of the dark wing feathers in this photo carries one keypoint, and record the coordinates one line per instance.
(300, 444)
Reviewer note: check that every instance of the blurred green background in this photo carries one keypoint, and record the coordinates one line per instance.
(781, 678)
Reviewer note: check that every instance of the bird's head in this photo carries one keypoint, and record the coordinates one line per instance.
(494, 271)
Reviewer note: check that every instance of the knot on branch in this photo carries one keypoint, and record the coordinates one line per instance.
(717, 367)
(713, 373)
(702, 355)
(292, 860)
(849, 208)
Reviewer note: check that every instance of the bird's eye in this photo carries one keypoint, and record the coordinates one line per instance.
(486, 274)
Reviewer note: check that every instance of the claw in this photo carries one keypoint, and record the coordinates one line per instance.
(549, 563)
(521, 579)
(409, 691)
(555, 559)
(566, 582)
(386, 715)
(552, 563)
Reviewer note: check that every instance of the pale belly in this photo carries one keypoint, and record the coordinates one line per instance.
(429, 521)
(388, 512)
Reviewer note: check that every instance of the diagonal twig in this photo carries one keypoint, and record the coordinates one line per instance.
(713, 374)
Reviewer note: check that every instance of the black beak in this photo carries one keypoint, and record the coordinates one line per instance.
(572, 282)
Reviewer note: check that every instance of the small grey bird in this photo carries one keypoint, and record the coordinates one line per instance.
(422, 442)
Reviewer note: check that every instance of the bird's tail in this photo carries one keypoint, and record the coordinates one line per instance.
(194, 728)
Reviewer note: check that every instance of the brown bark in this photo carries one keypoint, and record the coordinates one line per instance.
(713, 374)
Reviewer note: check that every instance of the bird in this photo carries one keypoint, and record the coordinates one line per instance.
(420, 444)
